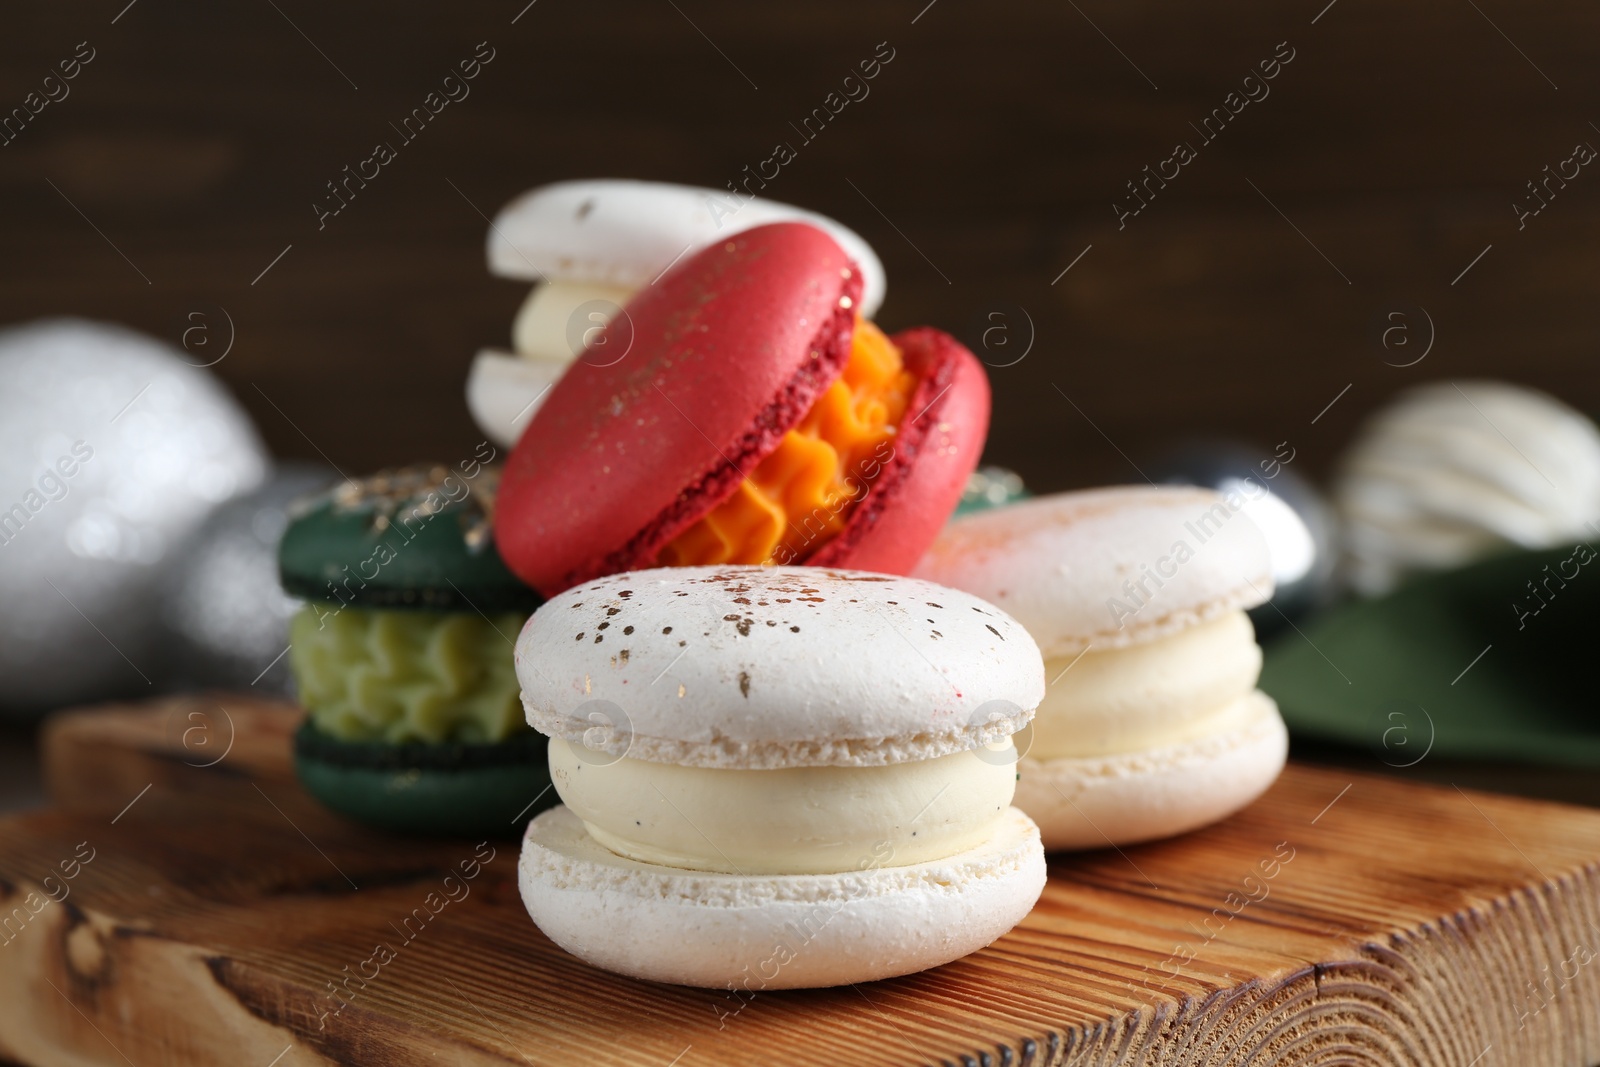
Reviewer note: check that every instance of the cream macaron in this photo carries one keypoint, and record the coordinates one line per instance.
(777, 777)
(1152, 724)
(590, 245)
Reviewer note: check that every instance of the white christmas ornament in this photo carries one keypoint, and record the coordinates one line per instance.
(1452, 472)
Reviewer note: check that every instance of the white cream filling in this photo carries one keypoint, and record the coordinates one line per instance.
(796, 820)
(554, 322)
(1162, 692)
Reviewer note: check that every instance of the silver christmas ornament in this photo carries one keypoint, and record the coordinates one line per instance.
(112, 450)
(222, 604)
(1301, 532)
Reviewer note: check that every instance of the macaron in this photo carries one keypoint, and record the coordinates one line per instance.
(402, 654)
(1152, 724)
(590, 245)
(776, 777)
(991, 487)
(1451, 472)
(756, 419)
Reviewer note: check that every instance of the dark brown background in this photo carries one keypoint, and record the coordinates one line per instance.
(996, 140)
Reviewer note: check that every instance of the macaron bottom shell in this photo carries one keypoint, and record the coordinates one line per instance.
(1126, 798)
(431, 790)
(754, 932)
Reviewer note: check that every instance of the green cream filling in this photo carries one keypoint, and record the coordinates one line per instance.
(397, 676)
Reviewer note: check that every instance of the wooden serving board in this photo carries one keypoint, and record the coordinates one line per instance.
(222, 918)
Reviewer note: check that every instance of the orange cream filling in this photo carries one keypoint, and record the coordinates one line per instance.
(801, 494)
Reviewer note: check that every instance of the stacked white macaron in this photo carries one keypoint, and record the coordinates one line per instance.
(777, 777)
(1151, 725)
(590, 245)
(1451, 472)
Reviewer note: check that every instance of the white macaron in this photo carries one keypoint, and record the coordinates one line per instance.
(777, 777)
(591, 244)
(623, 233)
(1152, 725)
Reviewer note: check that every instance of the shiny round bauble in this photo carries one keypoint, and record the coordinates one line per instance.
(1297, 522)
(223, 606)
(113, 450)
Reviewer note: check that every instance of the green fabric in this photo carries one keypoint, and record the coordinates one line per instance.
(1388, 673)
(397, 676)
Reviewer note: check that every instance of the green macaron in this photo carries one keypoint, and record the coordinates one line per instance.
(991, 487)
(403, 655)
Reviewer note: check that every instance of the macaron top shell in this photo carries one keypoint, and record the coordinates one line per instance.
(413, 537)
(728, 351)
(625, 233)
(769, 667)
(1107, 568)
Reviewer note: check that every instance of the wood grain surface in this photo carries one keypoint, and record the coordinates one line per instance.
(986, 158)
(223, 918)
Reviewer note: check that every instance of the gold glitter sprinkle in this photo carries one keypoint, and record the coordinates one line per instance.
(422, 492)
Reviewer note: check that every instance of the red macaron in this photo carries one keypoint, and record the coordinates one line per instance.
(723, 433)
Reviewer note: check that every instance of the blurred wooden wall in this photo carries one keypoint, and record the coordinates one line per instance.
(987, 156)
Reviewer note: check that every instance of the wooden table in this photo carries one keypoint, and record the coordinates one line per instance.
(216, 915)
